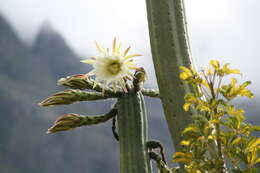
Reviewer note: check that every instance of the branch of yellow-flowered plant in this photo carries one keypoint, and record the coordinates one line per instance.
(150, 92)
(71, 121)
(82, 82)
(72, 96)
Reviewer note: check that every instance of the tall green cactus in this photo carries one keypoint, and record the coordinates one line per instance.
(133, 133)
(170, 49)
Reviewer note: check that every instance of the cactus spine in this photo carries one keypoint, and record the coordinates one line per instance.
(133, 134)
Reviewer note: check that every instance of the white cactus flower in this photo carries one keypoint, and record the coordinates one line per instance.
(112, 68)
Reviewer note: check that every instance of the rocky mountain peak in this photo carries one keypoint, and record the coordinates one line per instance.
(49, 39)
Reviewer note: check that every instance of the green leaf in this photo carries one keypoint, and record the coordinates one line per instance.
(203, 108)
(236, 141)
(190, 128)
(185, 142)
(182, 157)
(186, 73)
(254, 143)
(257, 160)
(255, 128)
(234, 71)
(215, 64)
(186, 106)
(245, 84)
(245, 92)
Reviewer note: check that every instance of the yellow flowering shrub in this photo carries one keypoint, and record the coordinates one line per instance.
(218, 140)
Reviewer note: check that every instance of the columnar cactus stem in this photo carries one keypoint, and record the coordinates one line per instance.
(133, 135)
(170, 49)
(132, 128)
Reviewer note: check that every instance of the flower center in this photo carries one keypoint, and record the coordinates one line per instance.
(114, 68)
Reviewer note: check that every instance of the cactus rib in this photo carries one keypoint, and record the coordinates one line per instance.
(132, 127)
(170, 49)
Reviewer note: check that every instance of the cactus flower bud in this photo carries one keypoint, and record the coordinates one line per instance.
(66, 122)
(71, 96)
(82, 82)
(78, 81)
(71, 121)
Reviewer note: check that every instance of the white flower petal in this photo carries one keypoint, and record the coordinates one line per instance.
(112, 69)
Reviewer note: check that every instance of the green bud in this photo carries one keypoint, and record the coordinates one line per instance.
(66, 122)
(71, 121)
(82, 82)
(78, 81)
(71, 96)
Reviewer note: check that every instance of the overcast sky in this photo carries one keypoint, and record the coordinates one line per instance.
(219, 29)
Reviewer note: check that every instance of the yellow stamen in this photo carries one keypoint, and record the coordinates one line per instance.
(114, 68)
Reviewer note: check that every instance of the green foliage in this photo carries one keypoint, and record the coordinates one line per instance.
(218, 134)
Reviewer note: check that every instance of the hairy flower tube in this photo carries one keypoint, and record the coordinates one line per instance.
(111, 69)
